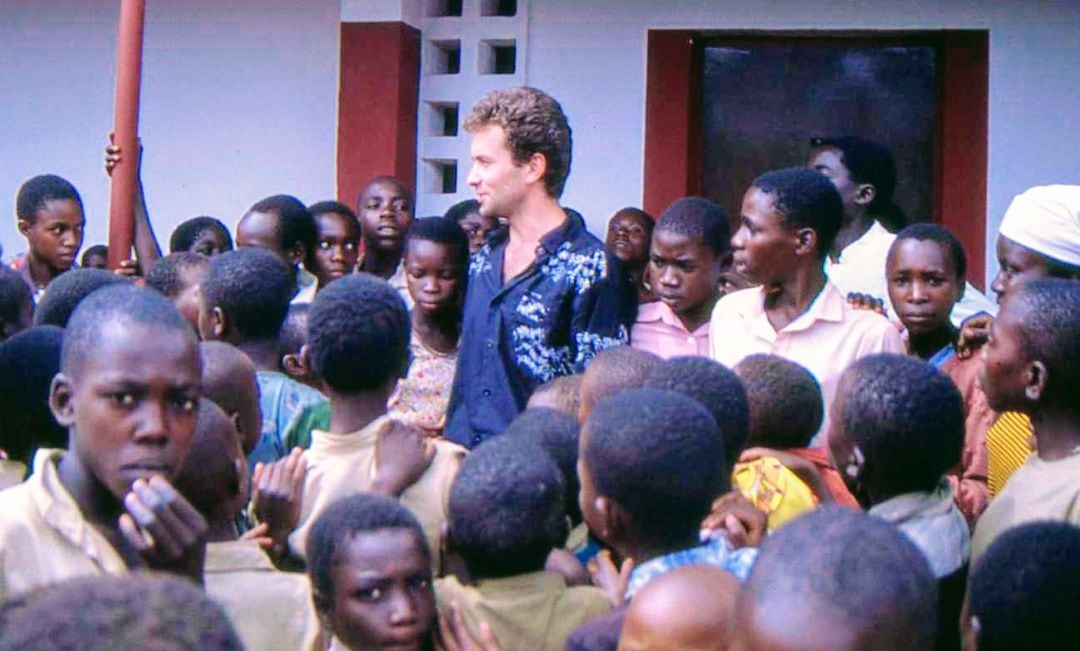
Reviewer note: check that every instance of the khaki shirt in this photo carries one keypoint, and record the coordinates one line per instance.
(1039, 490)
(44, 537)
(535, 611)
(340, 465)
(11, 473)
(269, 609)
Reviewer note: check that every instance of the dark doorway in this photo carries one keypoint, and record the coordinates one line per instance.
(762, 101)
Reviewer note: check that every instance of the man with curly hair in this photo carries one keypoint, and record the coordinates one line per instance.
(543, 295)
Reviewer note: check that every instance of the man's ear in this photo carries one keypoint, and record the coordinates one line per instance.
(219, 323)
(806, 241)
(61, 400)
(323, 606)
(24, 227)
(1035, 381)
(295, 366)
(864, 194)
(297, 254)
(535, 168)
(615, 522)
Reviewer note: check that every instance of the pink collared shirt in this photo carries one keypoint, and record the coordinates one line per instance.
(660, 332)
(825, 339)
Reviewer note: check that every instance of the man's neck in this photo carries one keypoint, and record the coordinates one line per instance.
(439, 332)
(381, 263)
(850, 231)
(927, 345)
(40, 272)
(538, 215)
(787, 300)
(698, 315)
(350, 412)
(1057, 433)
(97, 504)
(264, 353)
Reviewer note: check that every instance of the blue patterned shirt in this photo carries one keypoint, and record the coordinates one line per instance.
(550, 320)
(282, 400)
(717, 552)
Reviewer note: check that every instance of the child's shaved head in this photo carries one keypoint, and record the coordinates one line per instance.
(786, 408)
(612, 371)
(838, 579)
(561, 394)
(213, 476)
(229, 380)
(660, 619)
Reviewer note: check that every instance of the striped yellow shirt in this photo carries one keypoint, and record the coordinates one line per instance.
(1007, 447)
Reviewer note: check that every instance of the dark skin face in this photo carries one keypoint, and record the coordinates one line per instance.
(433, 278)
(923, 287)
(337, 246)
(385, 214)
(95, 262)
(263, 230)
(764, 246)
(685, 274)
(1017, 264)
(382, 597)
(477, 227)
(628, 238)
(55, 234)
(187, 301)
(131, 408)
(210, 242)
(1006, 367)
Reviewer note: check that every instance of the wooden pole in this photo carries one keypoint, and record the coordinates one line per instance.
(126, 127)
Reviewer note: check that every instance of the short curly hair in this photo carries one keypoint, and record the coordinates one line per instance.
(534, 124)
(358, 334)
(135, 611)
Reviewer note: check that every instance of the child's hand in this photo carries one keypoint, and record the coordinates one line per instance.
(114, 154)
(804, 469)
(866, 302)
(402, 455)
(613, 582)
(454, 635)
(734, 517)
(277, 493)
(565, 564)
(261, 535)
(128, 269)
(974, 332)
(164, 528)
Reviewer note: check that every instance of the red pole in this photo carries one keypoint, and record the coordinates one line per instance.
(126, 127)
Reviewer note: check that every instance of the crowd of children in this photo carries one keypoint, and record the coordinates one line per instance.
(490, 430)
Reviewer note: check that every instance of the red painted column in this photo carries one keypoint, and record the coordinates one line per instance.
(672, 120)
(126, 127)
(377, 105)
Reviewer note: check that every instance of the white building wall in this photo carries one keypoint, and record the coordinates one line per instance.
(239, 101)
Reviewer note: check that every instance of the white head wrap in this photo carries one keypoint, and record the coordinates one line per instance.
(1046, 219)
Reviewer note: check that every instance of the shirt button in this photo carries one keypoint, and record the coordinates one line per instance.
(490, 343)
(486, 393)
(476, 440)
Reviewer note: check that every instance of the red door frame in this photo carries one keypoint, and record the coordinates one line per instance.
(673, 127)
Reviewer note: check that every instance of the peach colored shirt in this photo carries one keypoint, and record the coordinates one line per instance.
(660, 332)
(825, 339)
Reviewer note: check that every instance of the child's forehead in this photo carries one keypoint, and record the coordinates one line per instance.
(384, 187)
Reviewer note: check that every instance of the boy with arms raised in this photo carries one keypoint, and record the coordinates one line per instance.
(690, 249)
(543, 297)
(358, 346)
(925, 271)
(128, 392)
(790, 218)
(1030, 367)
(243, 302)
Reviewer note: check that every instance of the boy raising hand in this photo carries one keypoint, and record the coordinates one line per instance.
(128, 390)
